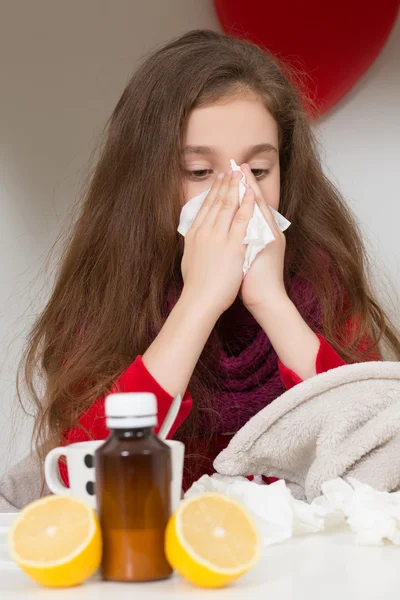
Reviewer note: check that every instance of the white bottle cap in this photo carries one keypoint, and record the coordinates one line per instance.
(131, 410)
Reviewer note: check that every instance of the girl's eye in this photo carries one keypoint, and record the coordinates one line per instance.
(260, 173)
(199, 174)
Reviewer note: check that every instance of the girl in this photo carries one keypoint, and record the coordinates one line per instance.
(137, 308)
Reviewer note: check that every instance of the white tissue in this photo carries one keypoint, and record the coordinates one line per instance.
(258, 233)
(373, 516)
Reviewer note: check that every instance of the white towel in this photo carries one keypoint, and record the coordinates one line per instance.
(345, 422)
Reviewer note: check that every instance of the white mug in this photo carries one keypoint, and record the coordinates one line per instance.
(81, 471)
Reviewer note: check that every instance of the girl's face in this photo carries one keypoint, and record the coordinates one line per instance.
(240, 128)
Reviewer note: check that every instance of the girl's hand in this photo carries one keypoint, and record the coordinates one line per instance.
(263, 285)
(212, 264)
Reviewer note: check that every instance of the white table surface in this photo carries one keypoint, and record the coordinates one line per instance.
(315, 567)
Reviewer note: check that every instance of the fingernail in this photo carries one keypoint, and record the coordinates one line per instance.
(220, 175)
(235, 174)
(249, 191)
(229, 173)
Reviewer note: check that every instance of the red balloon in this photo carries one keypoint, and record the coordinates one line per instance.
(333, 41)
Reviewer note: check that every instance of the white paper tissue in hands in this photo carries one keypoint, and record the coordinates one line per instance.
(258, 233)
(373, 516)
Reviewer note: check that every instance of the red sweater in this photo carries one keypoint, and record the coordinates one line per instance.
(136, 378)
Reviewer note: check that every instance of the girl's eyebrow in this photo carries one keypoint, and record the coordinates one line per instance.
(208, 150)
(260, 148)
(203, 150)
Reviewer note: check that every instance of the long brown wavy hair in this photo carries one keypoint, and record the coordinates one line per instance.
(124, 255)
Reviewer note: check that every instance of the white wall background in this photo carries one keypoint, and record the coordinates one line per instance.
(63, 66)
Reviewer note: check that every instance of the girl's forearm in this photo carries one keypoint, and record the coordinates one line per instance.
(294, 342)
(173, 355)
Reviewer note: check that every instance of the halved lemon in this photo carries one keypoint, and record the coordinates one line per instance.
(57, 541)
(212, 540)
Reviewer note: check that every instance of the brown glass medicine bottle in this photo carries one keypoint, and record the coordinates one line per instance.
(133, 485)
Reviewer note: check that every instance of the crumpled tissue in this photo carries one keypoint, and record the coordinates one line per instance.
(258, 233)
(372, 515)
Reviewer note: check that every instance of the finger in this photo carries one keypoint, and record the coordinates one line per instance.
(252, 182)
(209, 201)
(260, 200)
(229, 205)
(220, 197)
(243, 215)
(269, 217)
